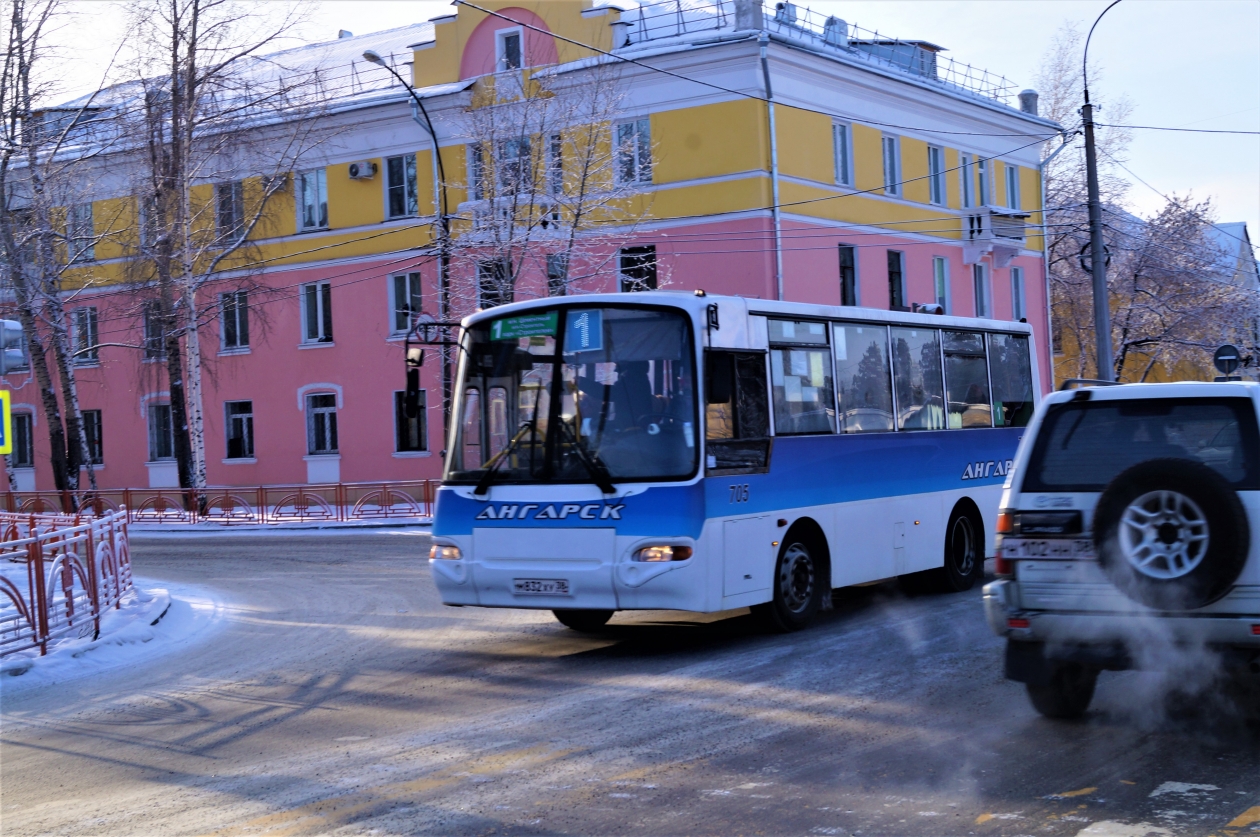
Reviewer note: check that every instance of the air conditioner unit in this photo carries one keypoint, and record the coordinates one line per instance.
(362, 170)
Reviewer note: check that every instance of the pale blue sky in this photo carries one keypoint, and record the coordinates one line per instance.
(1182, 63)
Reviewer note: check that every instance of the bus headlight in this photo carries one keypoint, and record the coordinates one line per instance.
(662, 553)
(444, 552)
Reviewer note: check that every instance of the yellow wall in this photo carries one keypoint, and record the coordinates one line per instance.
(355, 203)
(708, 141)
(953, 191)
(806, 144)
(914, 170)
(868, 159)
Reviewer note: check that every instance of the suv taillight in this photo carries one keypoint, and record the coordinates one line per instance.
(1006, 522)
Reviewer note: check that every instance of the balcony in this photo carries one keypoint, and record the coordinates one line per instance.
(993, 229)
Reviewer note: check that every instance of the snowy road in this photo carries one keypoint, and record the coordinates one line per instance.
(341, 697)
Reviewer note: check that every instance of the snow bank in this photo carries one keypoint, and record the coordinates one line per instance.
(156, 618)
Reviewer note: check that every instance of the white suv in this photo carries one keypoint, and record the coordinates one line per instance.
(1125, 533)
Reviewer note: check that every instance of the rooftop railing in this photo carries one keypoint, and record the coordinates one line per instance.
(686, 19)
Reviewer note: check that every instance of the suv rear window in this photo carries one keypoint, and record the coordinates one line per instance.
(1084, 445)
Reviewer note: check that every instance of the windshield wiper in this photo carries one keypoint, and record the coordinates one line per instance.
(483, 484)
(590, 460)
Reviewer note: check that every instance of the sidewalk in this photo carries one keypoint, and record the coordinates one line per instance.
(149, 531)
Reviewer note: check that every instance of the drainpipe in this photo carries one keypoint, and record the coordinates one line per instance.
(1045, 251)
(764, 40)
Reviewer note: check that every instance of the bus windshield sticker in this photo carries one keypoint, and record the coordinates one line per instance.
(528, 325)
(584, 331)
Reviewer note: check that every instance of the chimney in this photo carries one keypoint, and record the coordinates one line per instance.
(1028, 101)
(344, 33)
(749, 15)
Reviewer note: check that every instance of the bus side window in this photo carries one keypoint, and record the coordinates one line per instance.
(472, 429)
(737, 412)
(1011, 372)
(863, 379)
(917, 378)
(966, 380)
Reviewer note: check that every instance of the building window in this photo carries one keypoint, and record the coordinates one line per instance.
(240, 429)
(940, 279)
(494, 284)
(81, 233)
(234, 309)
(844, 156)
(508, 43)
(410, 433)
(515, 171)
(637, 268)
(896, 280)
(400, 179)
(317, 313)
(92, 434)
(229, 201)
(154, 334)
(405, 300)
(321, 424)
(557, 274)
(892, 167)
(147, 221)
(161, 433)
(555, 165)
(314, 199)
(23, 455)
(936, 174)
(979, 280)
(984, 189)
(1019, 309)
(634, 151)
(85, 337)
(1012, 185)
(848, 275)
(966, 175)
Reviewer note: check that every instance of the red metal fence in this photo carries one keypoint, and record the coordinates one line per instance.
(334, 503)
(75, 569)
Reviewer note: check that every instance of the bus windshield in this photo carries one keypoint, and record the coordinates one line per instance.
(618, 381)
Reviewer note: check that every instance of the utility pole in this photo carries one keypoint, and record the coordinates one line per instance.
(1097, 249)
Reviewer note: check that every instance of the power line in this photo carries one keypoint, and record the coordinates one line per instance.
(1181, 130)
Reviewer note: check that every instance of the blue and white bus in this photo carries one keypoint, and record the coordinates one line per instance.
(671, 451)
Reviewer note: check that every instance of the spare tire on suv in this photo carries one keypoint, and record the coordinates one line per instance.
(1171, 534)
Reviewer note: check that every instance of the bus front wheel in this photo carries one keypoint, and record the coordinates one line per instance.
(586, 621)
(798, 587)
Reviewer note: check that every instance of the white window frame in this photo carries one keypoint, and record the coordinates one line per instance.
(311, 420)
(500, 48)
(640, 128)
(151, 429)
(247, 420)
(857, 278)
(322, 298)
(842, 149)
(409, 186)
(240, 308)
(1012, 185)
(413, 291)
(97, 456)
(967, 180)
(320, 177)
(18, 458)
(936, 175)
(984, 181)
(1019, 299)
(940, 282)
(892, 165)
(982, 290)
(83, 320)
(81, 233)
(235, 190)
(902, 283)
(555, 164)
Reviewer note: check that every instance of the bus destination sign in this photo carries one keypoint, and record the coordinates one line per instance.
(528, 325)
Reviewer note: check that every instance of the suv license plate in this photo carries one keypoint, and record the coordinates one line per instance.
(540, 586)
(1065, 548)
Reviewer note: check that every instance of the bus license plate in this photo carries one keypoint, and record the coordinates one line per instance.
(540, 586)
(1064, 548)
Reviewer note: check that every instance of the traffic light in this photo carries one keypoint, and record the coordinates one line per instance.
(12, 347)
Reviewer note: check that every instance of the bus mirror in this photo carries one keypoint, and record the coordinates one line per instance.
(411, 398)
(718, 378)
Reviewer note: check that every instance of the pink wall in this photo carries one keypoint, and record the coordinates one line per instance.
(480, 53)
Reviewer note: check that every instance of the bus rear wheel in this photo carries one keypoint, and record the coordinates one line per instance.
(586, 621)
(797, 588)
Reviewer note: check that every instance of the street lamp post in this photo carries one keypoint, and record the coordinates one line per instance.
(1097, 251)
(442, 230)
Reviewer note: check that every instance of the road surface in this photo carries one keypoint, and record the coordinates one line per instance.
(341, 697)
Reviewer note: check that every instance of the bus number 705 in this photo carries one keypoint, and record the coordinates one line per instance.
(739, 493)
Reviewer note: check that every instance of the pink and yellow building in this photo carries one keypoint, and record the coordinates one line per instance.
(902, 179)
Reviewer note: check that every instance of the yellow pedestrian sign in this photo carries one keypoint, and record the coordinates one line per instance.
(6, 423)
